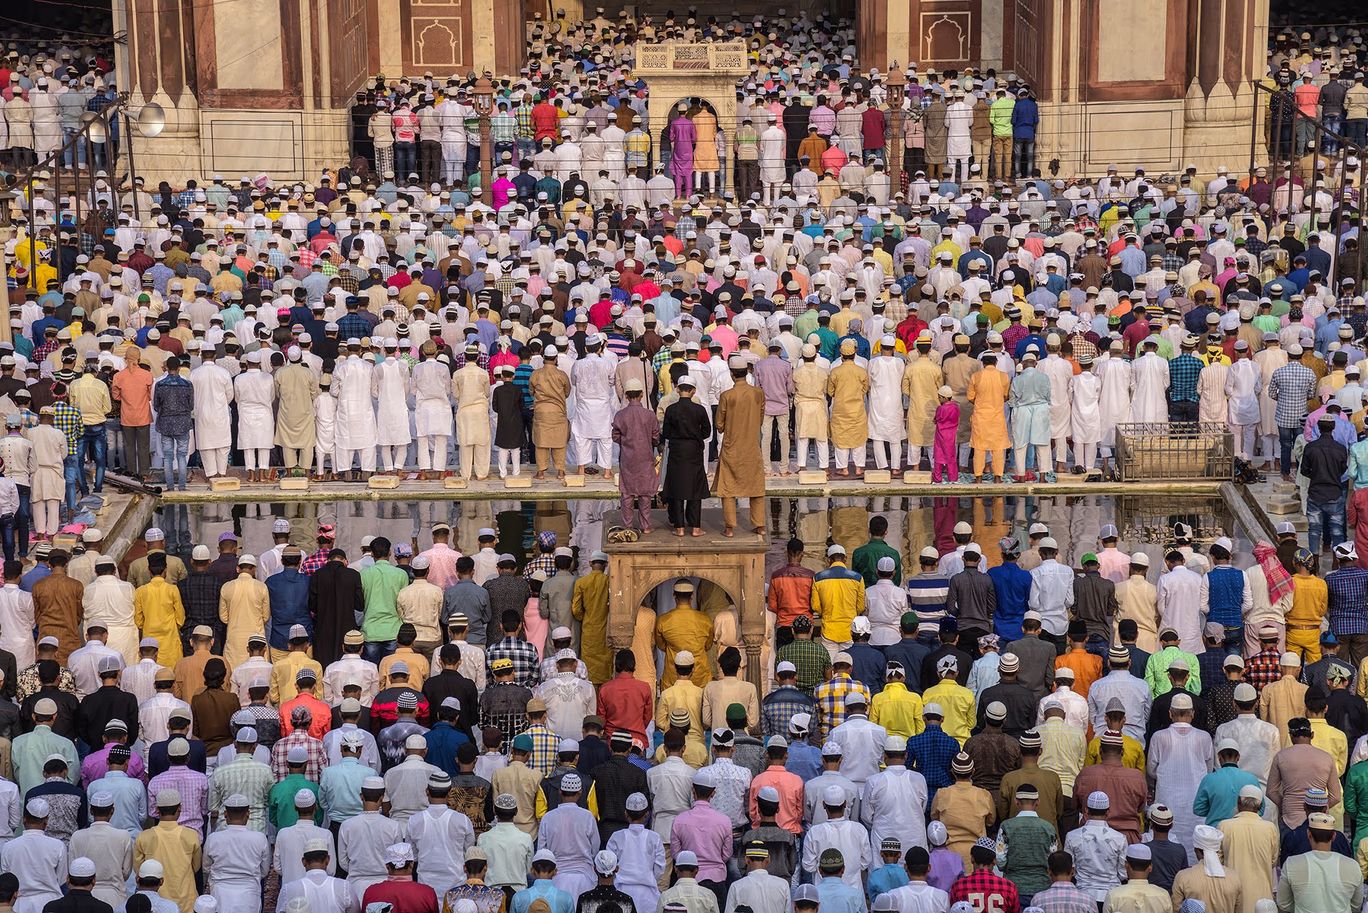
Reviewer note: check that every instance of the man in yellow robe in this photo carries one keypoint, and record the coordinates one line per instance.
(158, 612)
(685, 629)
(989, 390)
(848, 387)
(589, 606)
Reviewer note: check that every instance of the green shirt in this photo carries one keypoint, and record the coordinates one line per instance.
(1000, 116)
(31, 750)
(380, 584)
(1156, 671)
(865, 561)
(280, 805)
(1358, 465)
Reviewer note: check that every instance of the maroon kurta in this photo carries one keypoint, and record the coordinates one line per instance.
(636, 431)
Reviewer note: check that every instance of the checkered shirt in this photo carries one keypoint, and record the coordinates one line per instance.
(1348, 588)
(318, 757)
(1291, 386)
(987, 892)
(1262, 668)
(810, 659)
(830, 697)
(544, 746)
(309, 565)
(67, 419)
(1062, 897)
(931, 752)
(779, 706)
(526, 665)
(1183, 373)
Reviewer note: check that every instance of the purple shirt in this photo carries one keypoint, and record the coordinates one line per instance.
(96, 765)
(708, 833)
(193, 787)
(775, 377)
(946, 866)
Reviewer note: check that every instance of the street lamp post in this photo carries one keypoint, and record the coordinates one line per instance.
(897, 92)
(484, 106)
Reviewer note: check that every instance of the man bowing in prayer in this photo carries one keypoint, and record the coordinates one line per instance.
(686, 430)
(740, 469)
(636, 431)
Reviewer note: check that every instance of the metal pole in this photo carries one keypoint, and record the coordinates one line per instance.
(132, 167)
(33, 237)
(57, 213)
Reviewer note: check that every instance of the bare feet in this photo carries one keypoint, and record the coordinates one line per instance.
(679, 531)
(539, 476)
(696, 533)
(728, 532)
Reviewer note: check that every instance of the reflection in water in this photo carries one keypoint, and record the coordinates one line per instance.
(913, 523)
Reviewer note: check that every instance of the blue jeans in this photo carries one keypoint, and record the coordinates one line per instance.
(23, 519)
(8, 538)
(78, 151)
(1325, 521)
(1023, 157)
(1286, 438)
(376, 650)
(405, 160)
(71, 474)
(1334, 128)
(94, 442)
(174, 450)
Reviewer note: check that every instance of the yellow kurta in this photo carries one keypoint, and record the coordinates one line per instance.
(684, 694)
(245, 607)
(848, 386)
(705, 141)
(810, 402)
(1281, 701)
(550, 388)
(898, 710)
(988, 391)
(967, 812)
(158, 612)
(685, 629)
(958, 703)
(1138, 600)
(283, 671)
(524, 784)
(1251, 848)
(921, 380)
(177, 848)
(589, 605)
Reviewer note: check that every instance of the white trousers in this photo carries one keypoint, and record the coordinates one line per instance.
(823, 452)
(432, 452)
(1061, 450)
(914, 455)
(1244, 440)
(393, 458)
(214, 461)
(509, 457)
(257, 458)
(847, 455)
(47, 516)
(322, 454)
(1085, 455)
(345, 457)
(594, 451)
(1042, 459)
(887, 454)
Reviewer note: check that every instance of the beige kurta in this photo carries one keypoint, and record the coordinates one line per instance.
(1221, 895)
(848, 386)
(1250, 847)
(296, 422)
(550, 388)
(49, 453)
(1281, 701)
(740, 469)
(967, 812)
(988, 391)
(1138, 600)
(245, 607)
(921, 380)
(958, 370)
(810, 402)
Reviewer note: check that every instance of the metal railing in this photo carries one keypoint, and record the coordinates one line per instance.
(1175, 451)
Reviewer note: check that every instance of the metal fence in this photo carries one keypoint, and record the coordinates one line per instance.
(1175, 451)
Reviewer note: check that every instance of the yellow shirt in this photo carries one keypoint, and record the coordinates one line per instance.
(177, 848)
(957, 702)
(1310, 601)
(1062, 748)
(158, 612)
(283, 672)
(1132, 753)
(684, 694)
(416, 662)
(898, 710)
(680, 629)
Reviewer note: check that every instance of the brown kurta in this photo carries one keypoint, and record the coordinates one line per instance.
(57, 610)
(550, 388)
(967, 813)
(921, 380)
(1221, 895)
(296, 422)
(848, 386)
(740, 469)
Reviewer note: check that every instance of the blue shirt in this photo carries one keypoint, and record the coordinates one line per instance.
(442, 741)
(36, 573)
(1225, 589)
(835, 896)
(868, 665)
(1013, 588)
(289, 594)
(1348, 588)
(1219, 791)
(130, 800)
(931, 752)
(543, 889)
(804, 760)
(884, 879)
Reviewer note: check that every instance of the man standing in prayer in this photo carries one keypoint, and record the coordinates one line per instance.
(636, 431)
(740, 468)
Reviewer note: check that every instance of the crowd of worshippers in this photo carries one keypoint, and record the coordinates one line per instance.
(313, 731)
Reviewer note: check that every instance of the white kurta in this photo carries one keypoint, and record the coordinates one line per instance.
(255, 393)
(641, 863)
(391, 382)
(893, 804)
(355, 428)
(1268, 360)
(1060, 373)
(290, 842)
(571, 833)
(1086, 418)
(39, 862)
(773, 146)
(592, 380)
(1244, 383)
(1114, 404)
(1149, 388)
(959, 118)
(1182, 602)
(431, 383)
(324, 893)
(361, 843)
(759, 890)
(1179, 757)
(887, 418)
(440, 837)
(16, 624)
(236, 858)
(1211, 395)
(111, 849)
(213, 393)
(850, 837)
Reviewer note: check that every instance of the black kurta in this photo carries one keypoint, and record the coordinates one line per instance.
(334, 599)
(508, 405)
(686, 430)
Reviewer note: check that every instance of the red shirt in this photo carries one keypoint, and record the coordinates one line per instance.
(986, 891)
(545, 121)
(407, 896)
(626, 703)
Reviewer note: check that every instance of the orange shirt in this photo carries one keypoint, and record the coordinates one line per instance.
(790, 789)
(133, 392)
(1086, 667)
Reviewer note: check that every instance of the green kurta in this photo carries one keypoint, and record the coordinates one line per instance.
(296, 422)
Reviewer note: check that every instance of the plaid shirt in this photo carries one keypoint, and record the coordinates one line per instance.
(503, 705)
(1171, 262)
(200, 594)
(779, 706)
(526, 665)
(523, 116)
(810, 659)
(1183, 373)
(544, 563)
(314, 562)
(248, 777)
(68, 421)
(1262, 668)
(987, 892)
(318, 757)
(545, 744)
(930, 752)
(1348, 588)
(1063, 897)
(1291, 386)
(353, 326)
(830, 697)
(266, 721)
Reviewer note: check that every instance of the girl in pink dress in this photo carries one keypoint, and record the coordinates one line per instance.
(944, 462)
(536, 625)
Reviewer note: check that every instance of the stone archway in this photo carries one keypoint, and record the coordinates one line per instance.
(737, 566)
(678, 70)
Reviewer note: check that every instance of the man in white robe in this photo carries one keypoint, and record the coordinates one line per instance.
(37, 860)
(431, 382)
(893, 803)
(1269, 359)
(1114, 405)
(356, 431)
(841, 833)
(1183, 601)
(591, 424)
(325, 428)
(293, 842)
(1149, 385)
(254, 391)
(236, 859)
(614, 150)
(758, 890)
(441, 835)
(640, 853)
(452, 115)
(1179, 756)
(323, 892)
(1086, 413)
(1060, 372)
(1244, 384)
(391, 384)
(1211, 395)
(887, 418)
(570, 831)
(213, 387)
(773, 148)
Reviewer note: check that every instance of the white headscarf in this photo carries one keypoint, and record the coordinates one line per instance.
(1208, 840)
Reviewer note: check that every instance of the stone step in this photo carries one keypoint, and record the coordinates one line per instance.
(1282, 506)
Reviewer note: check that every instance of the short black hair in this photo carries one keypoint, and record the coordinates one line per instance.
(1060, 862)
(878, 525)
